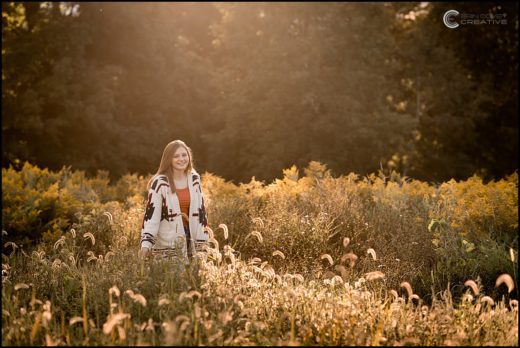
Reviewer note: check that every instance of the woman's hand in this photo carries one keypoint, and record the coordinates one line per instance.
(144, 252)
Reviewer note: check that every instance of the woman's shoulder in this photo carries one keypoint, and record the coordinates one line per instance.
(158, 181)
(194, 175)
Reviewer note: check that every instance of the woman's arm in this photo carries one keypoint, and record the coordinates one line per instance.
(151, 219)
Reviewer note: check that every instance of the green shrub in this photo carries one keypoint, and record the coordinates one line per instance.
(39, 206)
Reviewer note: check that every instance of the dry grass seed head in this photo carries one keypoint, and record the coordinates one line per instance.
(505, 279)
(136, 297)
(140, 299)
(225, 229)
(59, 242)
(91, 236)
(214, 241)
(291, 293)
(467, 298)
(47, 314)
(184, 325)
(164, 301)
(75, 320)
(351, 257)
(470, 283)
(374, 275)
(49, 342)
(72, 259)
(210, 232)
(255, 260)
(488, 300)
(342, 270)
(359, 282)
(181, 317)
(108, 254)
(109, 216)
(168, 326)
(336, 279)
(299, 277)
(258, 221)
(150, 325)
(21, 286)
(372, 252)
(114, 290)
(408, 288)
(12, 244)
(258, 236)
(231, 256)
(279, 253)
(225, 317)
(99, 259)
(194, 293)
(184, 320)
(39, 254)
(328, 257)
(91, 256)
(56, 264)
(114, 320)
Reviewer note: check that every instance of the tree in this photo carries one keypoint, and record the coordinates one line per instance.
(102, 87)
(462, 91)
(293, 89)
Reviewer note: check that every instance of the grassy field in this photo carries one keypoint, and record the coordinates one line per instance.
(306, 260)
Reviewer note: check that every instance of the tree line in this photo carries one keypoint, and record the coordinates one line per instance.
(257, 87)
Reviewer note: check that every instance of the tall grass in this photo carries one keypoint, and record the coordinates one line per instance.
(220, 299)
(311, 260)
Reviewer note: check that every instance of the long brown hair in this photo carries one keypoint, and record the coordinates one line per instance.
(165, 168)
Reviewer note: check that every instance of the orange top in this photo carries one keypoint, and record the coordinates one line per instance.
(184, 201)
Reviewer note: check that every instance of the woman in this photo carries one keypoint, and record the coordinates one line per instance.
(175, 216)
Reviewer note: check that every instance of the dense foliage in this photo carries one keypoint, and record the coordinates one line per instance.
(257, 87)
(307, 259)
(431, 235)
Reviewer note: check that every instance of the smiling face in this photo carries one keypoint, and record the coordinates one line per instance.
(181, 159)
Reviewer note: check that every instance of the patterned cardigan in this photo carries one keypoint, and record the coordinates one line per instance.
(162, 226)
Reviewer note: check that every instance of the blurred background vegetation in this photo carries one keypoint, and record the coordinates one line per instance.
(255, 88)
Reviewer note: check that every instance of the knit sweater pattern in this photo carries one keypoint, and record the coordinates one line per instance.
(162, 226)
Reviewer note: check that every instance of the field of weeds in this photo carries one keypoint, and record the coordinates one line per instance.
(306, 260)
